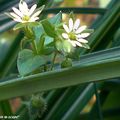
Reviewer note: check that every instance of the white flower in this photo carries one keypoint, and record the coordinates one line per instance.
(74, 33)
(24, 14)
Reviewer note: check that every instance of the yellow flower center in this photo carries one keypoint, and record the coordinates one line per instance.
(26, 18)
(72, 36)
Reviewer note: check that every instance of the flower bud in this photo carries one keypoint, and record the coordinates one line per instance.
(66, 63)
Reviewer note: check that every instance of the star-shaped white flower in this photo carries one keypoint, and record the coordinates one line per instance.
(74, 33)
(24, 14)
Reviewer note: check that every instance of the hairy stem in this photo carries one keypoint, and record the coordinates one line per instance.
(54, 57)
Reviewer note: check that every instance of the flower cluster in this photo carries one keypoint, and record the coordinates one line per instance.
(74, 33)
(48, 37)
(43, 41)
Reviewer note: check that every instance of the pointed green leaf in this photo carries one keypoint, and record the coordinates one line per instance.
(88, 31)
(56, 20)
(38, 31)
(72, 15)
(49, 28)
(86, 46)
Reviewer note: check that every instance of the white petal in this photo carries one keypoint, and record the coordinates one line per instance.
(82, 40)
(17, 12)
(70, 24)
(82, 28)
(77, 24)
(21, 7)
(78, 44)
(32, 9)
(35, 14)
(25, 6)
(14, 15)
(84, 35)
(17, 20)
(66, 28)
(72, 42)
(65, 35)
(33, 19)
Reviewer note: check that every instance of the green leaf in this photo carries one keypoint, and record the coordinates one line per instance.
(56, 20)
(5, 108)
(38, 31)
(49, 28)
(88, 31)
(86, 46)
(60, 31)
(76, 107)
(48, 50)
(48, 40)
(33, 24)
(19, 26)
(92, 67)
(28, 62)
(116, 40)
(72, 15)
(40, 8)
(22, 25)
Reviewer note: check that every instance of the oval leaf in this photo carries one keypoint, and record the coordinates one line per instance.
(28, 62)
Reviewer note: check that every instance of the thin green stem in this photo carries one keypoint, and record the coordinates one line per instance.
(29, 35)
(34, 46)
(22, 43)
(53, 61)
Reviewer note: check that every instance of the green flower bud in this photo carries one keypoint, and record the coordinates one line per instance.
(37, 106)
(66, 63)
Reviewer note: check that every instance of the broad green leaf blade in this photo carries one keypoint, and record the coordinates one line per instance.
(77, 106)
(7, 63)
(105, 29)
(116, 41)
(28, 62)
(83, 72)
(6, 66)
(64, 102)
